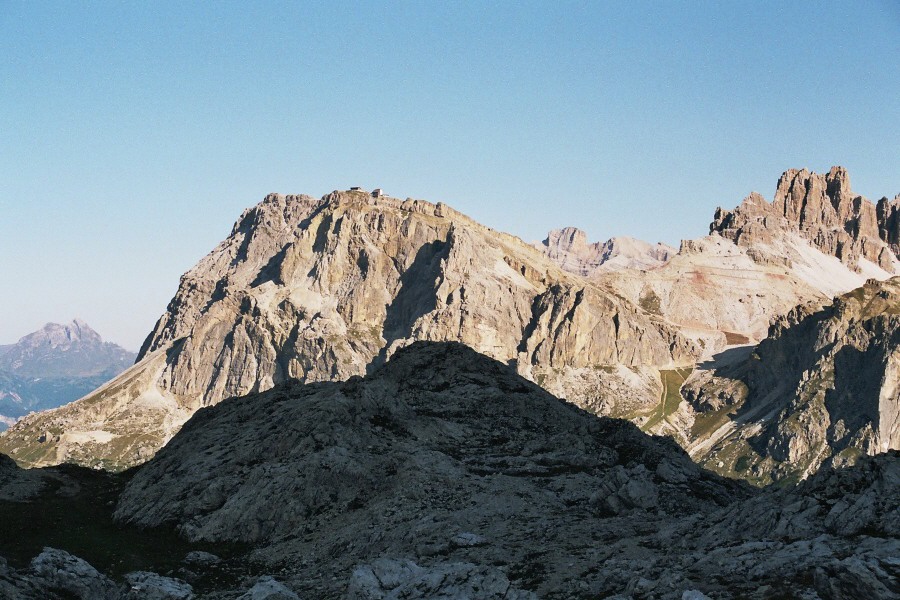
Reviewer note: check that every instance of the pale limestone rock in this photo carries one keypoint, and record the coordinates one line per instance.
(822, 209)
(569, 248)
(320, 290)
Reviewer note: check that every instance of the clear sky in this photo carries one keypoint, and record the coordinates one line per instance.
(133, 134)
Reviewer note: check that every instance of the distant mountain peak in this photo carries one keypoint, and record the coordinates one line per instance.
(53, 366)
(46, 352)
(62, 335)
(569, 248)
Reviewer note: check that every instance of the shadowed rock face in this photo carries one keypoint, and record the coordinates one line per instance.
(444, 474)
(321, 290)
(442, 455)
(435, 412)
(444, 466)
(824, 210)
(823, 388)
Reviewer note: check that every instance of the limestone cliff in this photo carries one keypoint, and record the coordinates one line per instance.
(816, 240)
(326, 289)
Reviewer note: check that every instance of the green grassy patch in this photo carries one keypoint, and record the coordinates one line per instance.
(738, 461)
(650, 302)
(851, 454)
(859, 294)
(707, 422)
(670, 398)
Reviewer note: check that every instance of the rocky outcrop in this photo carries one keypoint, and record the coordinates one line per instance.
(760, 260)
(888, 215)
(821, 389)
(268, 588)
(57, 575)
(318, 290)
(387, 579)
(60, 572)
(822, 209)
(716, 292)
(569, 248)
(442, 456)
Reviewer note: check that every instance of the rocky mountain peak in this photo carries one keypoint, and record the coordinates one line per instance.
(327, 289)
(823, 209)
(59, 335)
(567, 239)
(53, 366)
(70, 349)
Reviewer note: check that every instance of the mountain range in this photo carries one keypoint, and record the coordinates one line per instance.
(326, 289)
(53, 366)
(369, 398)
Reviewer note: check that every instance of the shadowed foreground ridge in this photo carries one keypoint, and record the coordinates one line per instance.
(445, 462)
(444, 474)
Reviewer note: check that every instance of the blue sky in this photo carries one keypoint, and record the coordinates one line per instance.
(132, 135)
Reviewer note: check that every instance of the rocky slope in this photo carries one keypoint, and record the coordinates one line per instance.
(445, 462)
(327, 289)
(816, 240)
(821, 389)
(444, 474)
(714, 291)
(53, 366)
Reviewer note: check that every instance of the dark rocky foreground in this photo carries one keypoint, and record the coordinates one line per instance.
(443, 474)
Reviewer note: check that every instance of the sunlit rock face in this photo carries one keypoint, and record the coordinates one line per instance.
(822, 209)
(325, 289)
